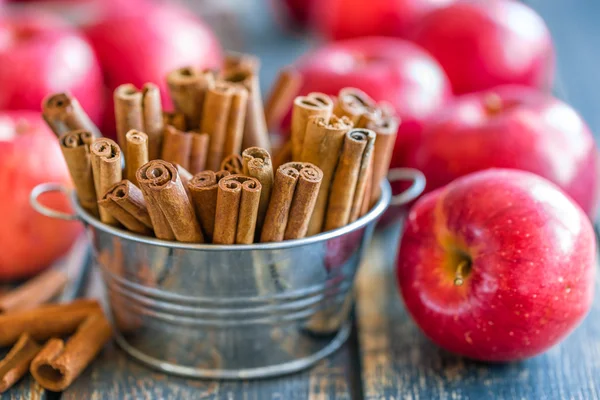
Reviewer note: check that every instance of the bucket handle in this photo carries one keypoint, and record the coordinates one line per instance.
(42, 209)
(415, 189)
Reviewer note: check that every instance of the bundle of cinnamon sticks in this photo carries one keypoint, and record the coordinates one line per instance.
(203, 173)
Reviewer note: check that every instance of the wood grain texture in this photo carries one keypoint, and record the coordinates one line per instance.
(398, 362)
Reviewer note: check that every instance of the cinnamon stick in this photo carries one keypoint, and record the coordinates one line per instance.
(303, 202)
(125, 202)
(353, 161)
(16, 363)
(199, 152)
(45, 321)
(58, 364)
(237, 60)
(281, 98)
(136, 154)
(220, 119)
(353, 103)
(237, 206)
(234, 133)
(305, 107)
(75, 146)
(106, 165)
(175, 119)
(365, 177)
(203, 189)
(233, 164)
(187, 87)
(63, 113)
(255, 126)
(177, 146)
(140, 110)
(322, 146)
(283, 155)
(257, 164)
(38, 290)
(170, 209)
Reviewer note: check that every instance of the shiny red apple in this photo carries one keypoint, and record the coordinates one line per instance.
(511, 127)
(482, 44)
(41, 54)
(498, 265)
(345, 19)
(30, 155)
(144, 46)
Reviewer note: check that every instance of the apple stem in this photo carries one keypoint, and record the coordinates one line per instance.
(460, 270)
(492, 103)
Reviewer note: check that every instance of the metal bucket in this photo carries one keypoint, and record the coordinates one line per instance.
(233, 312)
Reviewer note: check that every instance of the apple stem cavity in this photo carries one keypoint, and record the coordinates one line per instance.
(462, 270)
(493, 103)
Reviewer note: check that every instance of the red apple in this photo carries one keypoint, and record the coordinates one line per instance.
(40, 54)
(345, 19)
(482, 44)
(30, 155)
(144, 46)
(511, 127)
(497, 266)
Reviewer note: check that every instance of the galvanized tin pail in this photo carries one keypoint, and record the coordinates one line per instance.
(239, 311)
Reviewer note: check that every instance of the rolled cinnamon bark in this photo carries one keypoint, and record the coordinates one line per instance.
(233, 164)
(106, 165)
(386, 129)
(322, 146)
(136, 154)
(38, 290)
(353, 103)
(281, 98)
(153, 119)
(203, 189)
(63, 113)
(305, 107)
(365, 175)
(58, 364)
(303, 202)
(282, 195)
(234, 133)
(75, 146)
(257, 164)
(16, 363)
(175, 119)
(45, 321)
(238, 60)
(255, 126)
(170, 209)
(177, 146)
(125, 202)
(366, 201)
(357, 142)
(237, 206)
(199, 152)
(187, 87)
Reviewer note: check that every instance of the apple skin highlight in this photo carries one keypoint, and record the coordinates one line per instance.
(531, 253)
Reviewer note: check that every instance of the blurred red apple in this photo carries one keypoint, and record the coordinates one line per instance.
(30, 155)
(40, 54)
(345, 19)
(498, 265)
(144, 46)
(482, 44)
(511, 127)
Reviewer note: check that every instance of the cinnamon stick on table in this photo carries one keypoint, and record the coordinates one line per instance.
(353, 103)
(16, 363)
(203, 190)
(291, 204)
(46, 321)
(187, 87)
(305, 107)
(352, 167)
(136, 154)
(233, 164)
(257, 164)
(238, 198)
(281, 98)
(38, 290)
(140, 110)
(125, 202)
(58, 364)
(175, 119)
(75, 146)
(63, 113)
(322, 146)
(106, 165)
(169, 206)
